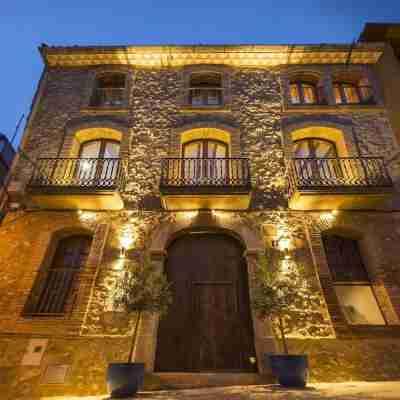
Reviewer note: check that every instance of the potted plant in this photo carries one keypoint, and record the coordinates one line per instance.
(142, 289)
(285, 299)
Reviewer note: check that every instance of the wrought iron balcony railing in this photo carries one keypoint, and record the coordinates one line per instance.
(108, 97)
(347, 173)
(89, 173)
(197, 173)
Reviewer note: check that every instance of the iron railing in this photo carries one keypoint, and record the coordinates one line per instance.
(343, 172)
(91, 173)
(52, 292)
(205, 172)
(205, 96)
(108, 97)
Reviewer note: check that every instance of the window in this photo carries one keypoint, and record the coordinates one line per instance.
(205, 161)
(351, 282)
(205, 89)
(303, 93)
(99, 162)
(109, 91)
(314, 148)
(353, 92)
(54, 289)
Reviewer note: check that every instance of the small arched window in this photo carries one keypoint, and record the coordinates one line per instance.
(109, 90)
(353, 91)
(351, 281)
(303, 93)
(205, 89)
(55, 288)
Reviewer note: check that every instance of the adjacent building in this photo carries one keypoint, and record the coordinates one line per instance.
(202, 158)
(388, 67)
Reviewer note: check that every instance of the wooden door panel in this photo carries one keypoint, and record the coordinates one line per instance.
(209, 325)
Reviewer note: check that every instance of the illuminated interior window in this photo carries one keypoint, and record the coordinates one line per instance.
(351, 282)
(303, 93)
(353, 93)
(314, 148)
(98, 162)
(205, 89)
(206, 160)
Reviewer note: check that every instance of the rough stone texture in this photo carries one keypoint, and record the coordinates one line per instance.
(322, 391)
(91, 334)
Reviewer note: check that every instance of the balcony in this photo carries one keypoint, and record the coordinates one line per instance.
(205, 183)
(338, 183)
(77, 183)
(108, 97)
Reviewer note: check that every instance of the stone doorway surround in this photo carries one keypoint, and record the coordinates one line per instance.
(229, 224)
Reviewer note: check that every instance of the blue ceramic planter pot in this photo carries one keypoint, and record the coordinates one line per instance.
(290, 370)
(124, 379)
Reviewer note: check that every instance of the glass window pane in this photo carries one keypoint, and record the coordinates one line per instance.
(308, 94)
(366, 93)
(193, 150)
(323, 149)
(302, 149)
(294, 93)
(111, 150)
(336, 93)
(344, 259)
(216, 150)
(196, 97)
(212, 97)
(350, 94)
(359, 305)
(91, 149)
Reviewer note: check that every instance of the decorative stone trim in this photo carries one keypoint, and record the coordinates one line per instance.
(235, 55)
(212, 130)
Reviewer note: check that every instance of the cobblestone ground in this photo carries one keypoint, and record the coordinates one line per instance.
(322, 391)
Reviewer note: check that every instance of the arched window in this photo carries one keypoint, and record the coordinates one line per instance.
(55, 288)
(109, 90)
(352, 91)
(205, 89)
(206, 161)
(314, 148)
(99, 162)
(351, 281)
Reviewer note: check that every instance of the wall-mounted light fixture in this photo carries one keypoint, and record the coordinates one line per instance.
(122, 253)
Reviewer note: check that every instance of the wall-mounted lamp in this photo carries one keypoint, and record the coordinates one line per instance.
(122, 253)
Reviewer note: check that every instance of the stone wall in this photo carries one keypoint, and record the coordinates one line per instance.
(91, 334)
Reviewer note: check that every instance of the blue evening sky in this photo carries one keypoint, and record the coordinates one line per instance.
(26, 24)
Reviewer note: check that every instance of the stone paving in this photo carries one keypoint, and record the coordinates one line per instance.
(321, 391)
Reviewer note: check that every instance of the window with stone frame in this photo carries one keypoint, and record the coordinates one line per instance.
(351, 282)
(205, 89)
(109, 90)
(306, 89)
(352, 88)
(55, 288)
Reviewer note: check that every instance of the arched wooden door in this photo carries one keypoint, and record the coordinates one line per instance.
(208, 327)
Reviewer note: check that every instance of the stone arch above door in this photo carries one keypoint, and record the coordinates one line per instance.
(217, 221)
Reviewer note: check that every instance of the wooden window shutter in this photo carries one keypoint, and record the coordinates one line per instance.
(344, 259)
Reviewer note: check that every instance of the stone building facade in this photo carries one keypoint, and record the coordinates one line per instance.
(308, 122)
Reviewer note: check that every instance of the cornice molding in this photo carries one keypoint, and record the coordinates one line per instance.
(235, 55)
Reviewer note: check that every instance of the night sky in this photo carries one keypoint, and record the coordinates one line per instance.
(24, 25)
